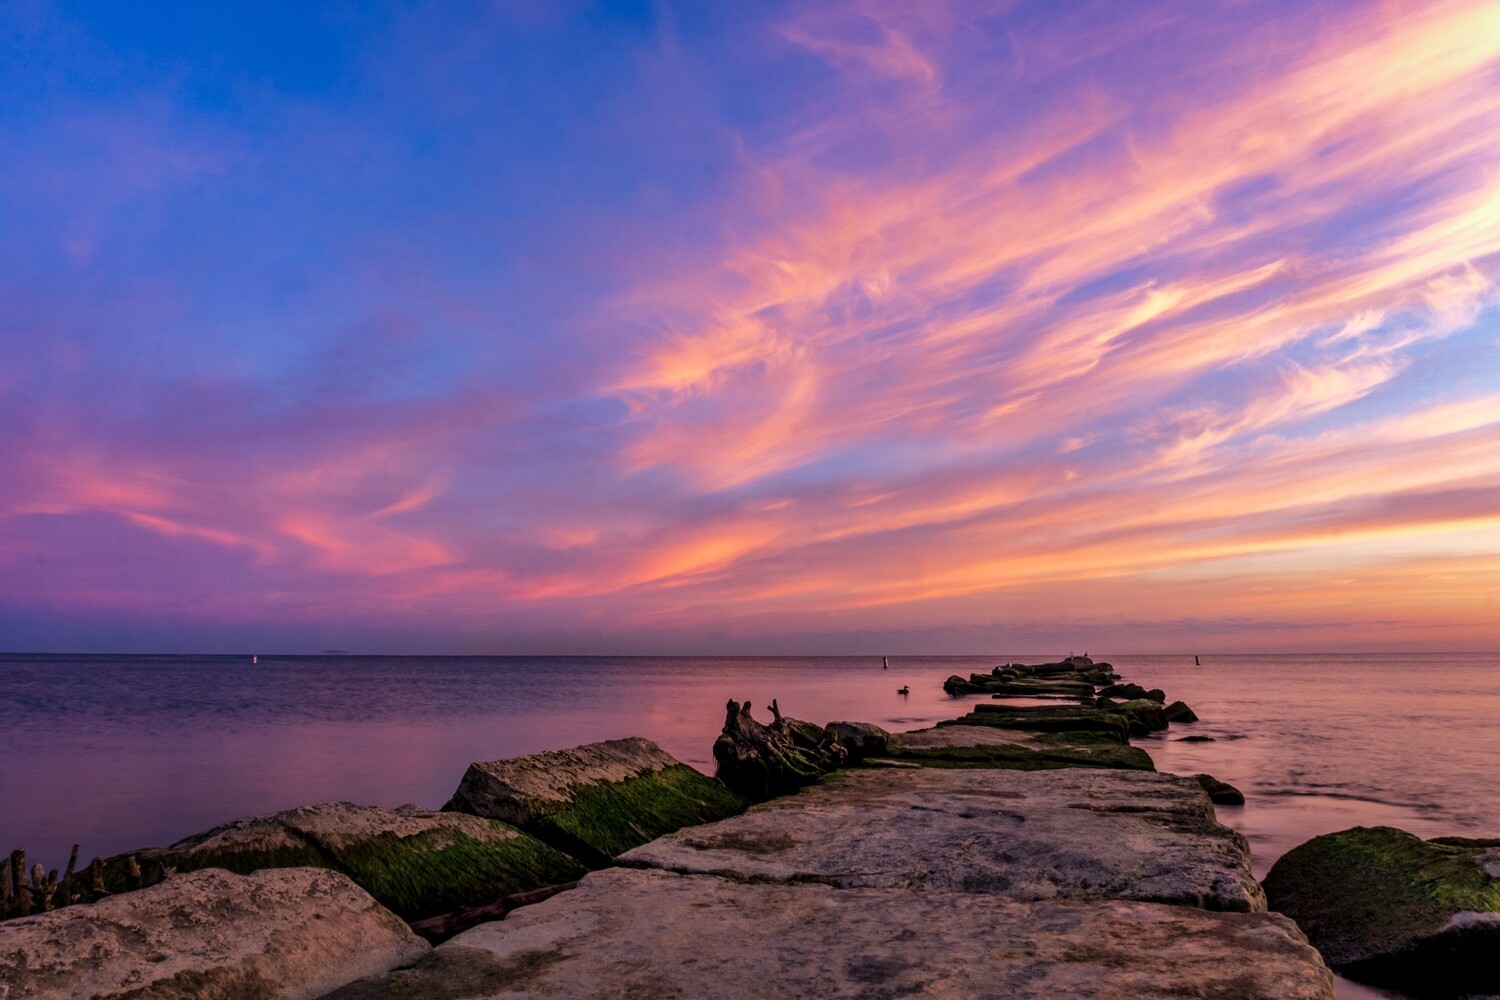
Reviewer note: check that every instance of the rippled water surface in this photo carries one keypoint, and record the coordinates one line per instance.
(120, 752)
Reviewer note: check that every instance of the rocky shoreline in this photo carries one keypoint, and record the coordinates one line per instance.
(1025, 849)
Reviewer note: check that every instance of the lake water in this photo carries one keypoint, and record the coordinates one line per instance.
(121, 752)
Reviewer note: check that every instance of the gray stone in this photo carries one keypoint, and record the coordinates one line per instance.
(1075, 834)
(645, 934)
(287, 933)
(862, 739)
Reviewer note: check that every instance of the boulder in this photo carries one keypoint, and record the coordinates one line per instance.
(1071, 834)
(289, 933)
(1392, 909)
(417, 863)
(1179, 712)
(626, 933)
(1220, 792)
(861, 740)
(594, 801)
(1126, 692)
(1146, 715)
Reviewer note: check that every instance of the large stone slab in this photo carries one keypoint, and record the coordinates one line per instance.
(416, 862)
(989, 746)
(1076, 834)
(594, 801)
(626, 933)
(289, 933)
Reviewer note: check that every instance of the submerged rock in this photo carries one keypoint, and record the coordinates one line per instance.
(416, 862)
(625, 933)
(1389, 908)
(293, 933)
(1076, 834)
(1178, 711)
(596, 801)
(1220, 792)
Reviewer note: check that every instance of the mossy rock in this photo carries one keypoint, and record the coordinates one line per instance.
(595, 801)
(607, 820)
(417, 863)
(1389, 908)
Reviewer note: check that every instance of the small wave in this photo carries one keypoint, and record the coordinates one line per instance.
(1326, 793)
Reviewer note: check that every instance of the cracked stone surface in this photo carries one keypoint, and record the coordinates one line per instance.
(290, 933)
(639, 934)
(1076, 834)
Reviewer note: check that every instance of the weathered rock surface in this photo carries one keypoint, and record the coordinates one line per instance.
(594, 801)
(417, 863)
(1077, 834)
(986, 746)
(1049, 719)
(1387, 907)
(643, 934)
(286, 933)
(862, 740)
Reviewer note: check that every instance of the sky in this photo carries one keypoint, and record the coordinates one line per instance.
(687, 327)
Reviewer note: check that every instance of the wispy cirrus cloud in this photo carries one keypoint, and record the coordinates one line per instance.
(1182, 313)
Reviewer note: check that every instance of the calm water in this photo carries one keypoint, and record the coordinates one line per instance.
(117, 753)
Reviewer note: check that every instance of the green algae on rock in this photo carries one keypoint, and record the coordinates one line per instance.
(594, 801)
(417, 863)
(1387, 907)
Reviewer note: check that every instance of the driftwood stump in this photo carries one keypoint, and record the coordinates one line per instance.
(760, 762)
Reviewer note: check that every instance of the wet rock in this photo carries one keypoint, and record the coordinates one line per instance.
(1220, 792)
(417, 863)
(1195, 739)
(285, 933)
(1146, 715)
(1178, 711)
(594, 801)
(985, 746)
(1389, 908)
(862, 740)
(1076, 834)
(1124, 692)
(652, 934)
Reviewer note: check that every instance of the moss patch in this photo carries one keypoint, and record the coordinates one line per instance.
(1376, 901)
(606, 820)
(438, 872)
(417, 876)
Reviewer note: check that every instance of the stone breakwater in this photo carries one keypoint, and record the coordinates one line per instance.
(1019, 851)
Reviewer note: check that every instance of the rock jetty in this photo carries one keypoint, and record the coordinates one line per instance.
(1024, 851)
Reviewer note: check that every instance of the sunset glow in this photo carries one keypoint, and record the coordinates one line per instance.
(848, 327)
